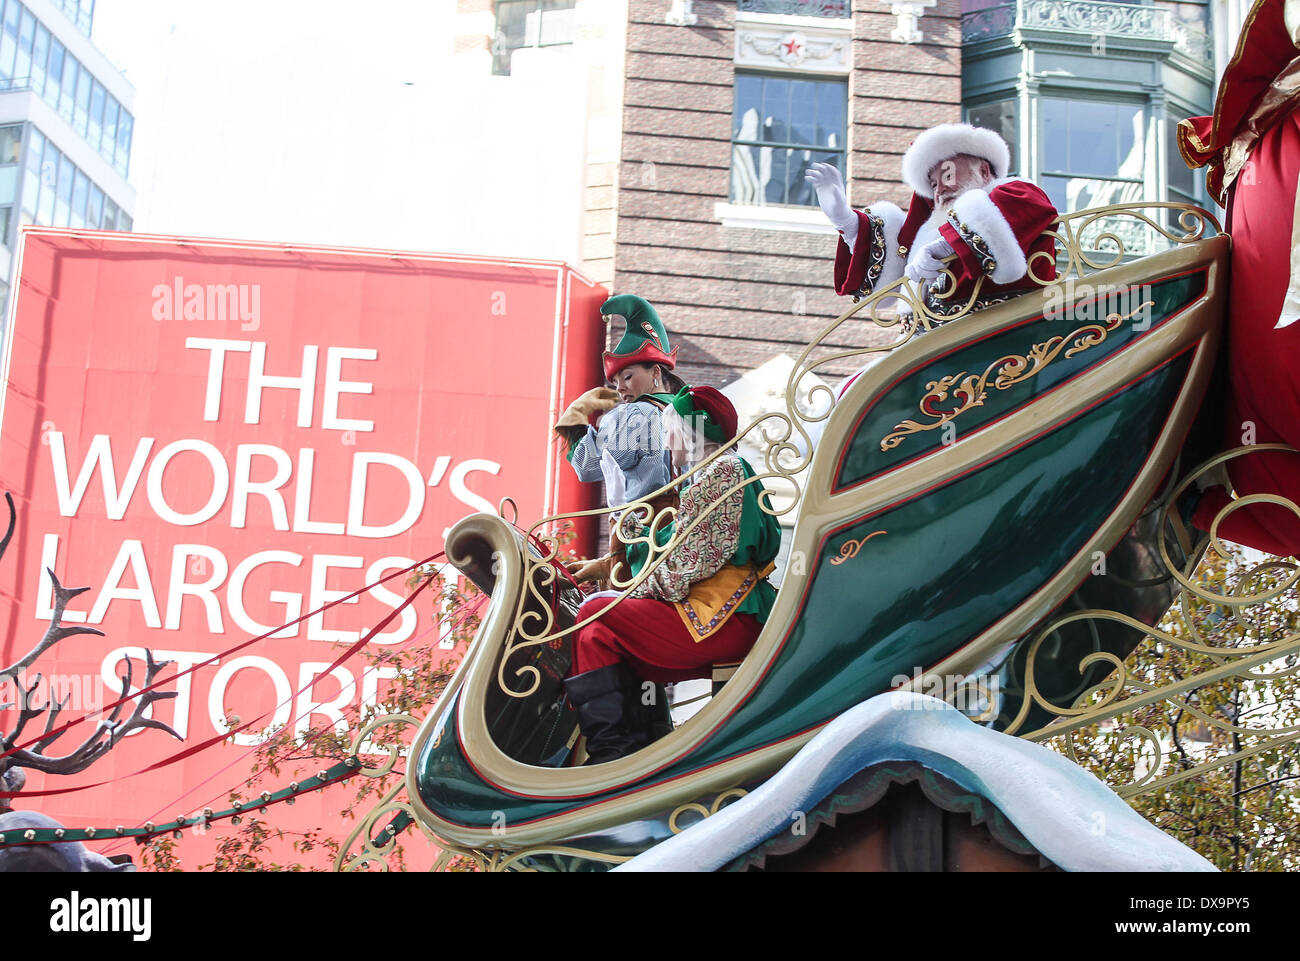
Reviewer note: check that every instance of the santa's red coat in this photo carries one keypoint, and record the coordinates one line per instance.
(1263, 404)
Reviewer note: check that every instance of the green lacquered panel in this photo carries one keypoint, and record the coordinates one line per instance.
(950, 565)
(863, 457)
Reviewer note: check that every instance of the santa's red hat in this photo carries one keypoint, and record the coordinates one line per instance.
(946, 141)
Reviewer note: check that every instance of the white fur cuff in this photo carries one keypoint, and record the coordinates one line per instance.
(981, 224)
(893, 218)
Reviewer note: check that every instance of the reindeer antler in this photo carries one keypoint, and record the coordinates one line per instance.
(107, 733)
(56, 631)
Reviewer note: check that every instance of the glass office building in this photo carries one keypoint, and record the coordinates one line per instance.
(66, 126)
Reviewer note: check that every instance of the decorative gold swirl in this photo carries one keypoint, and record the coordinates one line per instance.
(1261, 656)
(849, 549)
(1011, 369)
(730, 794)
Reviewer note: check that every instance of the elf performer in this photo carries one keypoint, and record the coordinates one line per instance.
(963, 204)
(613, 433)
(705, 602)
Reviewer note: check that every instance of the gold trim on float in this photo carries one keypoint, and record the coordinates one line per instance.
(1011, 370)
(509, 627)
(1121, 693)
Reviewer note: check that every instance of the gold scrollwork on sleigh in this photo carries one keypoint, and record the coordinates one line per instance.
(971, 390)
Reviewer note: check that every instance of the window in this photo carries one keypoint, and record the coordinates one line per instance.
(11, 145)
(1092, 153)
(26, 37)
(1002, 118)
(68, 89)
(529, 23)
(95, 129)
(80, 12)
(49, 181)
(109, 139)
(95, 212)
(40, 53)
(32, 176)
(63, 205)
(779, 126)
(80, 193)
(82, 116)
(54, 79)
(1182, 179)
(9, 41)
(122, 159)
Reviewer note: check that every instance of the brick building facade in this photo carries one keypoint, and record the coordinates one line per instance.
(736, 289)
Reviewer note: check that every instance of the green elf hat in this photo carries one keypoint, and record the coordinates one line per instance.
(720, 418)
(644, 341)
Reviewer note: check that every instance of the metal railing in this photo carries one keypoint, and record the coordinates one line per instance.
(1092, 18)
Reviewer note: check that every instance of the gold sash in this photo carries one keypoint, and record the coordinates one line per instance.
(712, 601)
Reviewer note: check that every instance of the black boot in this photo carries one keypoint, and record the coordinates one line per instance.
(656, 718)
(601, 699)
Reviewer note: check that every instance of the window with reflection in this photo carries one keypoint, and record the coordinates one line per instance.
(40, 55)
(9, 43)
(1182, 178)
(63, 199)
(95, 128)
(49, 183)
(11, 141)
(68, 89)
(32, 174)
(82, 115)
(26, 37)
(49, 189)
(1091, 152)
(80, 194)
(54, 73)
(780, 125)
(529, 23)
(122, 159)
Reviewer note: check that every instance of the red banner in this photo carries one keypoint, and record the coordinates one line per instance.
(218, 437)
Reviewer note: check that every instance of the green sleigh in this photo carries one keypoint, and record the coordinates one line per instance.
(968, 490)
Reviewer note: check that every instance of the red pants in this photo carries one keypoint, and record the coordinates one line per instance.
(649, 635)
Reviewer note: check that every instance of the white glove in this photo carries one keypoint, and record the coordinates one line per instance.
(929, 261)
(615, 481)
(828, 183)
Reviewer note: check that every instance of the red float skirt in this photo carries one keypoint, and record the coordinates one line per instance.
(651, 638)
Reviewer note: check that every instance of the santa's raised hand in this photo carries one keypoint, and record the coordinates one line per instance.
(826, 180)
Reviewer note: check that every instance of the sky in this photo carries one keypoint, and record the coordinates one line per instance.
(318, 122)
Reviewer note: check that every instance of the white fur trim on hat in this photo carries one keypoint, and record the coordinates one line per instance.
(948, 140)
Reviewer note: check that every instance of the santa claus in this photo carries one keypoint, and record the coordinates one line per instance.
(963, 206)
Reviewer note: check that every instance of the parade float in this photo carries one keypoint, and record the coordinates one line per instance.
(964, 494)
(1012, 497)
